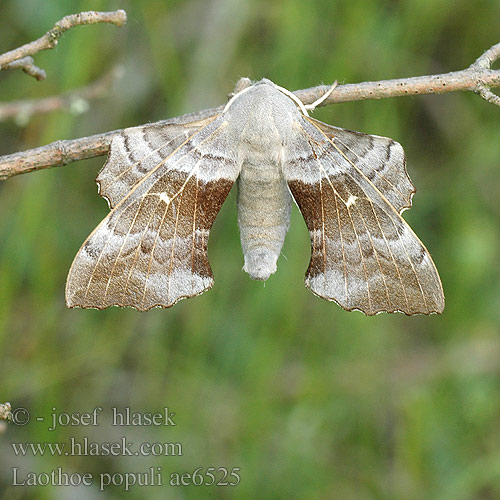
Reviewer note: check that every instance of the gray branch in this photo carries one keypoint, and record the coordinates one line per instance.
(28, 66)
(479, 78)
(50, 39)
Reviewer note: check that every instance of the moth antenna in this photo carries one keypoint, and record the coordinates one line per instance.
(294, 98)
(317, 102)
(235, 96)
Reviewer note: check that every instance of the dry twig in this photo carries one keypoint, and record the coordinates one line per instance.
(479, 78)
(50, 39)
(28, 66)
(55, 154)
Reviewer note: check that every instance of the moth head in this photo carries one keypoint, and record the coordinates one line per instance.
(245, 85)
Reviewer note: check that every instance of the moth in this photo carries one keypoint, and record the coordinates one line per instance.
(166, 182)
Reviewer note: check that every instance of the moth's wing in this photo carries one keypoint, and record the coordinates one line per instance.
(137, 150)
(364, 255)
(381, 159)
(151, 250)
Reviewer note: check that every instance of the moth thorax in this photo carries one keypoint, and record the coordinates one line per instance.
(263, 217)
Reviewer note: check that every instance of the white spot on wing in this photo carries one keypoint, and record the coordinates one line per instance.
(164, 197)
(351, 200)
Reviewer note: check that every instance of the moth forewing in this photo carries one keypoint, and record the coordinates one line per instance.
(151, 250)
(364, 255)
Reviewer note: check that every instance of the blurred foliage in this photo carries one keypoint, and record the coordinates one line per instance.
(310, 401)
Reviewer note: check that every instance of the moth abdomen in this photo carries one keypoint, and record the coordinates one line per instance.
(263, 217)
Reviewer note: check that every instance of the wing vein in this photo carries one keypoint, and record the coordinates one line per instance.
(193, 241)
(174, 240)
(327, 177)
(136, 253)
(335, 197)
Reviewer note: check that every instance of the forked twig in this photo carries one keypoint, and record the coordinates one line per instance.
(478, 77)
(50, 39)
(28, 66)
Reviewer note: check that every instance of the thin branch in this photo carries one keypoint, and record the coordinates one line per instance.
(479, 77)
(75, 100)
(486, 59)
(487, 94)
(50, 39)
(55, 154)
(28, 66)
(468, 79)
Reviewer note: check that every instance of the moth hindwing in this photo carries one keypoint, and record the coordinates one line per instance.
(166, 182)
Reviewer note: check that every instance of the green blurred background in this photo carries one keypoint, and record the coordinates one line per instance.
(311, 402)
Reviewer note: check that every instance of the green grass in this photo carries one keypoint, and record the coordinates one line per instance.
(311, 402)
